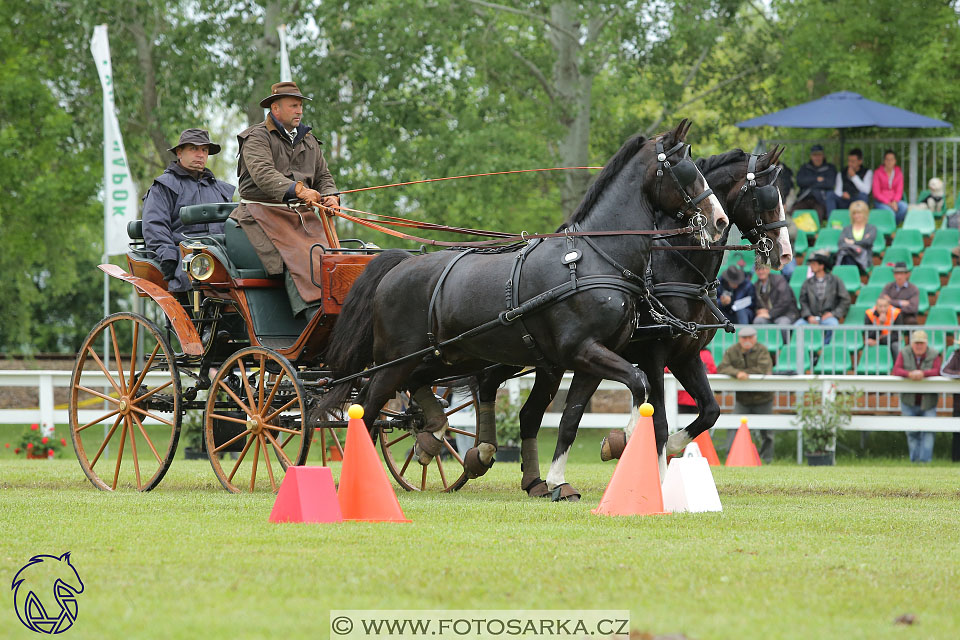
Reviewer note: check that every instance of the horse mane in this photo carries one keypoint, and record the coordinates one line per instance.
(711, 164)
(629, 149)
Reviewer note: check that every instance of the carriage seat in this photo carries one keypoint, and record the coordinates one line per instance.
(135, 229)
(209, 213)
(241, 253)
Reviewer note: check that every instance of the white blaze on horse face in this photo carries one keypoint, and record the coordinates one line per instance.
(786, 251)
(720, 221)
(557, 470)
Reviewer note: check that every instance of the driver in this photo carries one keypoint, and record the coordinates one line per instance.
(282, 166)
(185, 182)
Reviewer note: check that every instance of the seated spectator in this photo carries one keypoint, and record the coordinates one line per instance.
(903, 295)
(685, 402)
(936, 200)
(741, 360)
(916, 363)
(736, 296)
(854, 182)
(823, 297)
(883, 314)
(888, 186)
(816, 180)
(775, 302)
(856, 240)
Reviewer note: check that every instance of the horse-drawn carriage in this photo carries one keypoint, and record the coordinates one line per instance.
(235, 340)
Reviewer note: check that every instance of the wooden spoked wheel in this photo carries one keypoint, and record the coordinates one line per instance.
(446, 471)
(255, 410)
(331, 441)
(125, 409)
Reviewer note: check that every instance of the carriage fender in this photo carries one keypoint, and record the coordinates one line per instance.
(186, 332)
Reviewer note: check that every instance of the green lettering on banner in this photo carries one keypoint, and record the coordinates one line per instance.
(119, 161)
(120, 196)
(119, 211)
(118, 178)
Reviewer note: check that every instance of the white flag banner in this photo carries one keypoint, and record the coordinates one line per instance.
(120, 195)
(284, 58)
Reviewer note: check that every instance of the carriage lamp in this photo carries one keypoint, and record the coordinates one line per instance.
(200, 266)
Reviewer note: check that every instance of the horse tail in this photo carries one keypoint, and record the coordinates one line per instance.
(350, 347)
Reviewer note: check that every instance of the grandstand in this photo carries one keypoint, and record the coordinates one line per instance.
(923, 242)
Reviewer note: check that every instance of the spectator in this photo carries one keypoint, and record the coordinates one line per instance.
(685, 402)
(736, 296)
(854, 182)
(888, 186)
(903, 295)
(742, 359)
(936, 200)
(823, 297)
(883, 314)
(785, 183)
(916, 363)
(952, 370)
(775, 302)
(856, 241)
(816, 181)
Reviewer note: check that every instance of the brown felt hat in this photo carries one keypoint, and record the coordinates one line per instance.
(197, 137)
(281, 90)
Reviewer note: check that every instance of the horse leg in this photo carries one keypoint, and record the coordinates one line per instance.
(381, 388)
(582, 387)
(692, 375)
(531, 417)
(616, 441)
(478, 460)
(430, 440)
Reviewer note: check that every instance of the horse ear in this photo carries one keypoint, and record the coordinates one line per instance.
(680, 131)
(65, 557)
(777, 152)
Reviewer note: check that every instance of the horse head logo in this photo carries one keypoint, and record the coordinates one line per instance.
(45, 593)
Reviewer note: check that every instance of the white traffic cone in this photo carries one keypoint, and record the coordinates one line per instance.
(689, 485)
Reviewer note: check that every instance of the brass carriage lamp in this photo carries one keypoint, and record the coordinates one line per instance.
(200, 267)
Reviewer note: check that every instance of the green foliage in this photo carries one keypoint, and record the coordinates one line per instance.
(508, 418)
(35, 443)
(822, 418)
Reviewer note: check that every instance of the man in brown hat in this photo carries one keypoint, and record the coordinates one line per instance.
(903, 294)
(283, 176)
(184, 182)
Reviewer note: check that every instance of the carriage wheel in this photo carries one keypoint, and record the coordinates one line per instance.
(446, 472)
(130, 422)
(255, 410)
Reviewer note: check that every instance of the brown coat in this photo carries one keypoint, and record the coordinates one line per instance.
(757, 361)
(269, 168)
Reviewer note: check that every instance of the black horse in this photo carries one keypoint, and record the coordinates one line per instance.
(573, 308)
(745, 185)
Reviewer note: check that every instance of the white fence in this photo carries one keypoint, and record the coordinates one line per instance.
(888, 420)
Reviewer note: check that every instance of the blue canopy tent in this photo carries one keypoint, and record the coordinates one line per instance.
(844, 110)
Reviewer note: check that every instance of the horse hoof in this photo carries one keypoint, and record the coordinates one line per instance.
(474, 465)
(428, 447)
(564, 493)
(613, 445)
(537, 489)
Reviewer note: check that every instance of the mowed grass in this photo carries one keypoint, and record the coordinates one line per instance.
(798, 552)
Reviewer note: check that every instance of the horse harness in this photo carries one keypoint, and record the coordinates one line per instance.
(765, 198)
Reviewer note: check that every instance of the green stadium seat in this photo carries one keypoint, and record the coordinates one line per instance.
(923, 195)
(881, 274)
(849, 275)
(812, 338)
(827, 240)
(856, 311)
(797, 278)
(879, 245)
(921, 220)
(834, 360)
(875, 360)
(849, 339)
(943, 316)
(770, 336)
(839, 218)
(946, 238)
(949, 298)
(869, 294)
(720, 343)
(927, 279)
(893, 255)
(911, 239)
(807, 220)
(938, 258)
(801, 244)
(743, 258)
(884, 220)
(923, 304)
(954, 280)
(787, 361)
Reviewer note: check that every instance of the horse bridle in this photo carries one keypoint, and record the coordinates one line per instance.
(684, 173)
(765, 198)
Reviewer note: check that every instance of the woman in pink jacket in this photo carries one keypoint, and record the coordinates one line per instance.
(888, 186)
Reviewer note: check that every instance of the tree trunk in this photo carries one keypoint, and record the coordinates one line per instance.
(267, 49)
(144, 45)
(573, 92)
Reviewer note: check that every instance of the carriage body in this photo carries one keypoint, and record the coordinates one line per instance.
(232, 348)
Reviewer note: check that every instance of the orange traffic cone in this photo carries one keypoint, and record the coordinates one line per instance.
(743, 453)
(365, 492)
(307, 495)
(707, 450)
(634, 489)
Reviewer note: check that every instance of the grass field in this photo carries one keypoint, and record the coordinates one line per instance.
(797, 553)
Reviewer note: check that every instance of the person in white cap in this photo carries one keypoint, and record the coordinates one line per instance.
(743, 359)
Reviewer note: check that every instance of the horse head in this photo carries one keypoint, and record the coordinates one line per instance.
(677, 187)
(42, 575)
(755, 204)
